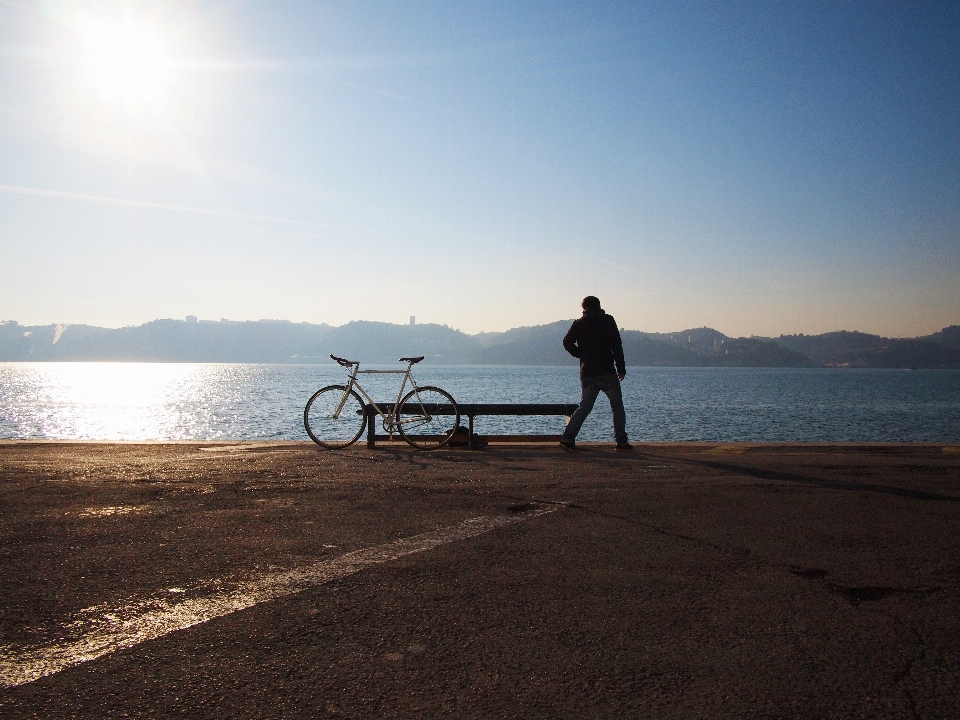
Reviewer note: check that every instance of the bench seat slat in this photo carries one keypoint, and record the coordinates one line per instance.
(474, 409)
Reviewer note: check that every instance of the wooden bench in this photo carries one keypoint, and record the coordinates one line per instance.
(472, 410)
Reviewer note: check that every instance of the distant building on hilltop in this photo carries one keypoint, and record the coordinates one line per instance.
(191, 318)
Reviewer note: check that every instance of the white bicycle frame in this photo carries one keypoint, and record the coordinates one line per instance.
(391, 420)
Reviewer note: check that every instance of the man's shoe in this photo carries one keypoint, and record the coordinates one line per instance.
(624, 447)
(568, 445)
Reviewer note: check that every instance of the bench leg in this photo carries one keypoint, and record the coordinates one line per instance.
(470, 432)
(371, 429)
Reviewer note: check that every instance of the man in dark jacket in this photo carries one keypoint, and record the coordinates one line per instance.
(595, 339)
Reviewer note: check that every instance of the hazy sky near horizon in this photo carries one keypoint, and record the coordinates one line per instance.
(757, 167)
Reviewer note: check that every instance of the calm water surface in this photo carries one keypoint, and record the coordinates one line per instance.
(167, 401)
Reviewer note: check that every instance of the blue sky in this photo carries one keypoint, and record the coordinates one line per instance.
(758, 167)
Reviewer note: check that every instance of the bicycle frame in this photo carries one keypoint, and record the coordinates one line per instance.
(391, 420)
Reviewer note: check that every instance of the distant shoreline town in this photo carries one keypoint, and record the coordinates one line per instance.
(280, 341)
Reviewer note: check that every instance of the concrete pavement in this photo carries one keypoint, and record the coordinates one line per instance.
(678, 581)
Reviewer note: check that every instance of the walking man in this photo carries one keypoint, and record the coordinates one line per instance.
(595, 339)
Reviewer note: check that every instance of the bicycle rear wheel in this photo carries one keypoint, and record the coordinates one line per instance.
(428, 417)
(332, 432)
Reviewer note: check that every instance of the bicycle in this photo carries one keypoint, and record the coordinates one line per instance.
(426, 417)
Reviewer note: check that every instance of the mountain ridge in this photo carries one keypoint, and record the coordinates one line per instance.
(282, 341)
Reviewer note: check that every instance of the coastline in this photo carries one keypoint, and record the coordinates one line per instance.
(718, 446)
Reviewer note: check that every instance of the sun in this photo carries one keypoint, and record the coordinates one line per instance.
(124, 59)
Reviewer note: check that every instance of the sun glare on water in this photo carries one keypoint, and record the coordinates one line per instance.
(114, 401)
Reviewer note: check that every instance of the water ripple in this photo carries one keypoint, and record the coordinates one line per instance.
(173, 401)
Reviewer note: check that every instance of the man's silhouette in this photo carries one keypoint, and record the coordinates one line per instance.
(595, 339)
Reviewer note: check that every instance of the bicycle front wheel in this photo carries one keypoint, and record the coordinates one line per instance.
(427, 417)
(332, 432)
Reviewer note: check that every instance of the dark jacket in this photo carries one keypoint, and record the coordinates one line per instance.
(594, 339)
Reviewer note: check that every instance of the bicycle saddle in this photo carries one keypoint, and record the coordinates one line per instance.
(413, 360)
(345, 363)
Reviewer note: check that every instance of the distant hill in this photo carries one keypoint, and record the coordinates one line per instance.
(543, 345)
(822, 349)
(752, 352)
(914, 353)
(522, 334)
(268, 341)
(384, 342)
(162, 341)
(949, 336)
(48, 342)
(644, 349)
(278, 341)
(855, 349)
(533, 349)
(698, 340)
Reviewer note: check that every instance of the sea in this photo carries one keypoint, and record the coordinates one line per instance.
(182, 401)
